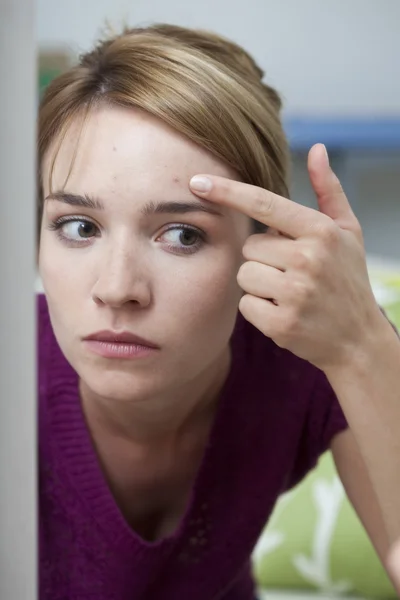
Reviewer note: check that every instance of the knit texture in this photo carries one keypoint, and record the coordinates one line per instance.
(277, 414)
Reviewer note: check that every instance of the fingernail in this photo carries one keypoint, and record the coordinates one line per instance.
(200, 184)
(326, 153)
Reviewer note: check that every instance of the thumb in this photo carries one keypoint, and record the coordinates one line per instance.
(332, 200)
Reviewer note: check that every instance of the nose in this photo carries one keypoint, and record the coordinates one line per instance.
(123, 279)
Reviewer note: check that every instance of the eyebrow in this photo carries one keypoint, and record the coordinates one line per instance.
(151, 208)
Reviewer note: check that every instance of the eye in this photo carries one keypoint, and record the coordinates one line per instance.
(183, 239)
(73, 229)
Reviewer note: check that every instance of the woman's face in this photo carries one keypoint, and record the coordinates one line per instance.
(125, 246)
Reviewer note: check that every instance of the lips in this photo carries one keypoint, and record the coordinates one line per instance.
(123, 337)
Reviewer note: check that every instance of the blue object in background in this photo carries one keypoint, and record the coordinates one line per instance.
(345, 133)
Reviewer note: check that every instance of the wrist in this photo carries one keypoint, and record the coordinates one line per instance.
(379, 338)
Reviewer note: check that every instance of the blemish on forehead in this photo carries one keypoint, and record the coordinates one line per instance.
(114, 148)
(176, 179)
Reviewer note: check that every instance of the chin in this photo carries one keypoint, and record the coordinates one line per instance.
(120, 386)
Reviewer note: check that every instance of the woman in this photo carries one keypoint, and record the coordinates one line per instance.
(202, 339)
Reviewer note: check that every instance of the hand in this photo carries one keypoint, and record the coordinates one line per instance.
(308, 288)
(394, 565)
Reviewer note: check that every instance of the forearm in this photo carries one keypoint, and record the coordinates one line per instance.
(368, 388)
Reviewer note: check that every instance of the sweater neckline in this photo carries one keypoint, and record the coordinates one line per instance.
(78, 460)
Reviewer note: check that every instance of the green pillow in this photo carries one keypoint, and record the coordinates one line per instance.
(386, 285)
(314, 540)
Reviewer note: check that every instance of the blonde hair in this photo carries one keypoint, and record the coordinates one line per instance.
(202, 85)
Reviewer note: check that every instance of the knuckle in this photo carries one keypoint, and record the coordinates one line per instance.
(339, 191)
(329, 233)
(250, 308)
(249, 274)
(308, 260)
(263, 204)
(225, 187)
(251, 245)
(302, 291)
(302, 259)
(241, 274)
(245, 304)
(358, 230)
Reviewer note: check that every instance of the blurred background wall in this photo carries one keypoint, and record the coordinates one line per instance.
(336, 63)
(330, 56)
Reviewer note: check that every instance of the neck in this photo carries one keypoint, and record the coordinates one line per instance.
(159, 419)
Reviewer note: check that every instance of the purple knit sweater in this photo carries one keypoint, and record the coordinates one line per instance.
(277, 414)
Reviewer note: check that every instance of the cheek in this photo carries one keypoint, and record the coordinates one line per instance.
(62, 271)
(204, 293)
(50, 270)
(56, 287)
(62, 290)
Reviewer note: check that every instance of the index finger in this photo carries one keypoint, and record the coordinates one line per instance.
(262, 205)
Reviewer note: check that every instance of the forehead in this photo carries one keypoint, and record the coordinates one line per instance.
(119, 149)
